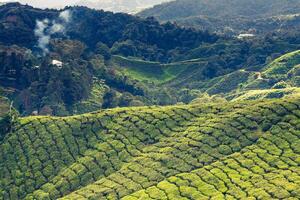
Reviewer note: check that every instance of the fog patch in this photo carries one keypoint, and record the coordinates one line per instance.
(46, 28)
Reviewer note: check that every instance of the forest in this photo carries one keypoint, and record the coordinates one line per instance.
(93, 78)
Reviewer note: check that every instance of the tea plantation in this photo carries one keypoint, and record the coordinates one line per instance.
(238, 150)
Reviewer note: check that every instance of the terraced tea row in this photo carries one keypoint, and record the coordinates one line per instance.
(42, 146)
(267, 170)
(177, 152)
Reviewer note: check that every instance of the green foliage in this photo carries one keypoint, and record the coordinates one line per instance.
(281, 85)
(152, 72)
(243, 149)
(221, 146)
(85, 50)
(229, 82)
(164, 64)
(5, 125)
(103, 50)
(276, 80)
(8, 116)
(280, 67)
(265, 94)
(229, 17)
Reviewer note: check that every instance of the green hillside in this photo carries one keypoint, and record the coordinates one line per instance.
(155, 72)
(245, 149)
(87, 43)
(265, 94)
(222, 8)
(119, 60)
(280, 78)
(109, 106)
(284, 67)
(230, 16)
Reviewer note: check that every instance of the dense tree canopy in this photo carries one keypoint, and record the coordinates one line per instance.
(111, 60)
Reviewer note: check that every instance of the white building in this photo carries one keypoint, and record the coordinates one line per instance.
(57, 63)
(245, 36)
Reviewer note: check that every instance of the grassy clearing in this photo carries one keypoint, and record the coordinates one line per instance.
(153, 72)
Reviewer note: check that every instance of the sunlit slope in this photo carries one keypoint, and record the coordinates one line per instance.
(268, 169)
(238, 150)
(280, 78)
(286, 67)
(153, 72)
(281, 73)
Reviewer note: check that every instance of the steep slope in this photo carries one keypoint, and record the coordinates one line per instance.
(154, 72)
(284, 68)
(279, 78)
(183, 152)
(197, 77)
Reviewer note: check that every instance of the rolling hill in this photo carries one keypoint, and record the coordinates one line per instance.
(224, 8)
(279, 75)
(229, 16)
(118, 60)
(84, 43)
(279, 78)
(244, 149)
(117, 107)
